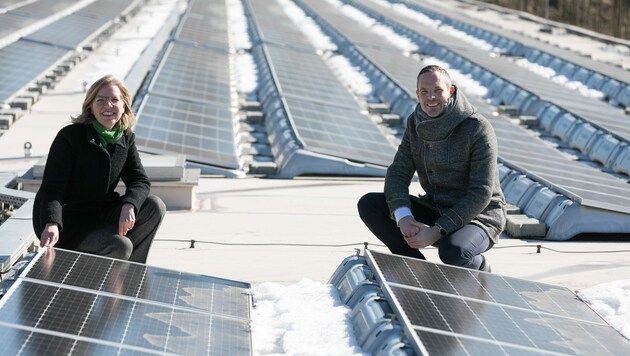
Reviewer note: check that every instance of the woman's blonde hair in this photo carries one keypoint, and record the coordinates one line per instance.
(128, 119)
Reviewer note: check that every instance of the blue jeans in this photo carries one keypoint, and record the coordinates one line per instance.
(460, 248)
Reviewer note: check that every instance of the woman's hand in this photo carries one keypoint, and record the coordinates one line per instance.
(49, 236)
(127, 219)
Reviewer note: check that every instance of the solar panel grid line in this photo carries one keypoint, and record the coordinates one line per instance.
(275, 26)
(70, 32)
(612, 196)
(416, 344)
(174, 306)
(25, 61)
(200, 130)
(339, 132)
(498, 344)
(134, 295)
(194, 74)
(544, 332)
(205, 29)
(75, 339)
(170, 322)
(585, 173)
(476, 284)
(494, 302)
(293, 67)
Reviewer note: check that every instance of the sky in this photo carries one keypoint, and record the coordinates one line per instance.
(308, 317)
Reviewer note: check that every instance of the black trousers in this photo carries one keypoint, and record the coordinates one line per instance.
(105, 241)
(460, 248)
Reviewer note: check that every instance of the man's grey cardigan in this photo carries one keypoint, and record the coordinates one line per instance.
(455, 156)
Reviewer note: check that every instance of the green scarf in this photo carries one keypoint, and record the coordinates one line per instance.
(106, 136)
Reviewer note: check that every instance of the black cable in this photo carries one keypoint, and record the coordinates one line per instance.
(558, 251)
(266, 244)
(538, 247)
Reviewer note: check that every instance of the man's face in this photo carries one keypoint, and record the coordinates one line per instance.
(432, 93)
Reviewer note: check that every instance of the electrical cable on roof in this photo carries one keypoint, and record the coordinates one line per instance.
(264, 243)
(192, 245)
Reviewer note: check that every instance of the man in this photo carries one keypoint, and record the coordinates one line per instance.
(453, 149)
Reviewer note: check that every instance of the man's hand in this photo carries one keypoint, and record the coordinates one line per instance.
(426, 237)
(127, 219)
(409, 226)
(49, 236)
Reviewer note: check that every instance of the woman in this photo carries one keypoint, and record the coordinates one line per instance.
(76, 206)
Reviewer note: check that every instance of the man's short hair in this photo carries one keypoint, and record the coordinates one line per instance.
(435, 68)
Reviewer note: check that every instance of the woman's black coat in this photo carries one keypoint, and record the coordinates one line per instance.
(79, 182)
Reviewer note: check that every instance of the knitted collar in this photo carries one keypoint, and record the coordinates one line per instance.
(106, 136)
(438, 128)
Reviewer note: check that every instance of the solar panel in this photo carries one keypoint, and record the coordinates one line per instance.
(274, 26)
(339, 131)
(454, 310)
(305, 75)
(11, 23)
(43, 8)
(22, 62)
(194, 74)
(204, 30)
(109, 8)
(208, 8)
(72, 301)
(70, 31)
(200, 131)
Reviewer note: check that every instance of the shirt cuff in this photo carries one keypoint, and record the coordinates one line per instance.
(401, 213)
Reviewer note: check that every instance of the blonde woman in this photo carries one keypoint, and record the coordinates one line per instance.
(76, 206)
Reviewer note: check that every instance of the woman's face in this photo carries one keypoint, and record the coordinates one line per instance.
(108, 106)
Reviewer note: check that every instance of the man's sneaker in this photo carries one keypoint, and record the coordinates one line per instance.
(485, 266)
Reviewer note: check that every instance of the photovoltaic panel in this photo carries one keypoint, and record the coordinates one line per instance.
(11, 23)
(339, 131)
(43, 8)
(26, 341)
(6, 3)
(274, 26)
(79, 302)
(24, 61)
(451, 308)
(489, 287)
(208, 8)
(204, 30)
(158, 284)
(201, 131)
(305, 75)
(194, 74)
(70, 31)
(109, 8)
